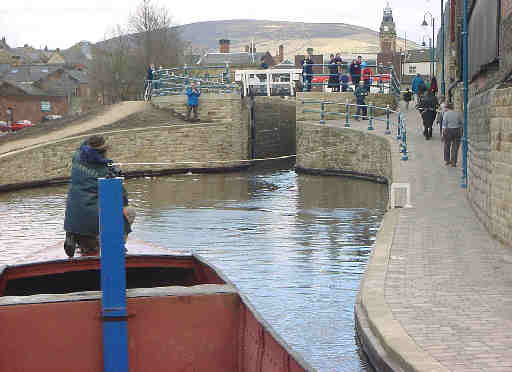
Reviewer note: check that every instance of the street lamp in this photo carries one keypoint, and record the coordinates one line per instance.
(424, 24)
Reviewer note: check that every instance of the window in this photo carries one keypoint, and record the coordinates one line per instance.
(46, 106)
(412, 69)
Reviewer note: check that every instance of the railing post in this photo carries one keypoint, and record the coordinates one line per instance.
(404, 142)
(322, 114)
(370, 114)
(347, 115)
(398, 129)
(388, 130)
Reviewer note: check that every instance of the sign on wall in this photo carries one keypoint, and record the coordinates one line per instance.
(46, 106)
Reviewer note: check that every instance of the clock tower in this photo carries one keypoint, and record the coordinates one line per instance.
(387, 32)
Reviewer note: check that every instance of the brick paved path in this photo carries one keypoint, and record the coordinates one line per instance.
(448, 284)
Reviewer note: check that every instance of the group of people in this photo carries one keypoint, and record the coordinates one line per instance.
(340, 74)
(450, 121)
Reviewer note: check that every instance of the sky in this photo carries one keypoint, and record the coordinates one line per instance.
(63, 23)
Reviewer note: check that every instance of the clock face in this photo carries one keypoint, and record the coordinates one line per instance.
(386, 28)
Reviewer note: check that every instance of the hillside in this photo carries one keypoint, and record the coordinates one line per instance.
(324, 38)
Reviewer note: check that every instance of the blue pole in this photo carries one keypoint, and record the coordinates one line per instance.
(398, 129)
(370, 121)
(388, 131)
(404, 141)
(347, 117)
(113, 276)
(443, 84)
(322, 108)
(464, 183)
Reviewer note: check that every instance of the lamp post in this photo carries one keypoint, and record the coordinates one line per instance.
(425, 25)
(443, 84)
(465, 76)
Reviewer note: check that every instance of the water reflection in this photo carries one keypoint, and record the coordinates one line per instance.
(295, 244)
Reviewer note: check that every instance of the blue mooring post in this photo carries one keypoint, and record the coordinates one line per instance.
(370, 121)
(404, 142)
(113, 276)
(388, 130)
(398, 129)
(322, 115)
(347, 115)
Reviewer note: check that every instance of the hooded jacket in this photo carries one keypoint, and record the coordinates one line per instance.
(82, 202)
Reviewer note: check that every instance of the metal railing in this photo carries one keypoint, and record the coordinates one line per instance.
(173, 81)
(399, 124)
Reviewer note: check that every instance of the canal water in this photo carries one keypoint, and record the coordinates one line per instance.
(296, 245)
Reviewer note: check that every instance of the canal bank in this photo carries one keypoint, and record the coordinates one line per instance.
(437, 292)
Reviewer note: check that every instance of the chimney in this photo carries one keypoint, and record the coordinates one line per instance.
(247, 48)
(224, 45)
(57, 50)
(281, 53)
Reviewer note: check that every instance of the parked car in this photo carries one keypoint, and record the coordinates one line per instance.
(20, 124)
(3, 126)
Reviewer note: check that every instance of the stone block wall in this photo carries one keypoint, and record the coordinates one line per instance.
(343, 151)
(211, 145)
(213, 107)
(379, 100)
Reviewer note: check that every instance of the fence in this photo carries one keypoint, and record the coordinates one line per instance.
(399, 126)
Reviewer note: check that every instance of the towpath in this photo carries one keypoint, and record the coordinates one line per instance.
(114, 113)
(437, 295)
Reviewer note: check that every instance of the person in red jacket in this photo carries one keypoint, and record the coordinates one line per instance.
(367, 76)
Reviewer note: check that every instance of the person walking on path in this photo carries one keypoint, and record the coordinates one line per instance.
(452, 133)
(361, 94)
(192, 101)
(433, 85)
(334, 80)
(407, 98)
(416, 82)
(442, 109)
(428, 108)
(355, 72)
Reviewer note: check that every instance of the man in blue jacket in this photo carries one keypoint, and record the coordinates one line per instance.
(415, 86)
(192, 101)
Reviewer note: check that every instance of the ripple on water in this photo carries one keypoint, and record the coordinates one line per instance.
(295, 245)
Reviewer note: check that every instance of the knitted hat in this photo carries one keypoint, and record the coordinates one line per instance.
(97, 142)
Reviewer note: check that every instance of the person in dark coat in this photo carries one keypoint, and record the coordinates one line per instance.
(355, 72)
(334, 80)
(407, 98)
(433, 85)
(428, 108)
(81, 221)
(361, 94)
(307, 73)
(344, 82)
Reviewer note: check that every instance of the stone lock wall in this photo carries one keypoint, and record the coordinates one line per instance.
(211, 145)
(379, 100)
(325, 149)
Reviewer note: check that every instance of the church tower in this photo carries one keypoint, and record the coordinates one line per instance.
(387, 32)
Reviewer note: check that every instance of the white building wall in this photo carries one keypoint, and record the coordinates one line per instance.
(422, 68)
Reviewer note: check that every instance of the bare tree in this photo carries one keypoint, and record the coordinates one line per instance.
(157, 40)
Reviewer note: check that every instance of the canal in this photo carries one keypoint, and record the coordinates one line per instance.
(296, 245)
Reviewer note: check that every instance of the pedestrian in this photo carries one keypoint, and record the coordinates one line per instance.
(433, 85)
(415, 85)
(307, 73)
(334, 80)
(428, 108)
(361, 94)
(89, 162)
(355, 72)
(452, 133)
(367, 76)
(193, 94)
(263, 64)
(407, 98)
(440, 114)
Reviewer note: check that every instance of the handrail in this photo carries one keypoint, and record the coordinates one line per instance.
(400, 124)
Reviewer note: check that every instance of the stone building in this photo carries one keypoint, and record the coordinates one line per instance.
(490, 105)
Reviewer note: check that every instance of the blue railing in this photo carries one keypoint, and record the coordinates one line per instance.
(353, 111)
(173, 81)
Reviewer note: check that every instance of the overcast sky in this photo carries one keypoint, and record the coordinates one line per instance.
(62, 23)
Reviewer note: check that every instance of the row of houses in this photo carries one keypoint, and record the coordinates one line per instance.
(35, 83)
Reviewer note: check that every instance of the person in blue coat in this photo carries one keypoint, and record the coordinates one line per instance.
(307, 73)
(192, 101)
(81, 221)
(415, 86)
